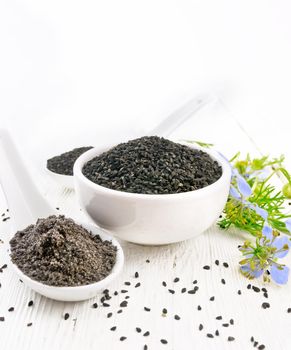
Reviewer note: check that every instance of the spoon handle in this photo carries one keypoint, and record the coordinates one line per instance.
(174, 120)
(25, 202)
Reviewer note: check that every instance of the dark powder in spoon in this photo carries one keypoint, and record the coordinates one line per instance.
(153, 165)
(56, 251)
(64, 163)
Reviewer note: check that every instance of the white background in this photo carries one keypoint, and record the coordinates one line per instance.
(90, 72)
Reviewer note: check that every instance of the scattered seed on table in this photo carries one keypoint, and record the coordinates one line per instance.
(256, 289)
(230, 338)
(209, 335)
(127, 283)
(145, 347)
(223, 281)
(109, 314)
(123, 303)
(105, 291)
(115, 293)
(183, 290)
(147, 333)
(206, 267)
(265, 305)
(105, 305)
(165, 311)
(261, 347)
(57, 208)
(217, 333)
(252, 339)
(177, 317)
(164, 341)
(30, 303)
(119, 311)
(289, 310)
(171, 291)
(231, 321)
(225, 264)
(225, 325)
(177, 279)
(219, 317)
(200, 327)
(217, 262)
(192, 291)
(164, 284)
(147, 261)
(95, 305)
(265, 295)
(264, 290)
(212, 298)
(249, 286)
(136, 275)
(122, 338)
(195, 282)
(29, 324)
(124, 291)
(66, 316)
(239, 292)
(4, 266)
(138, 329)
(137, 285)
(255, 343)
(2, 319)
(127, 297)
(11, 309)
(147, 308)
(199, 308)
(113, 328)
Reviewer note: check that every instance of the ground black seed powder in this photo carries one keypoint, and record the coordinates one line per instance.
(64, 163)
(57, 251)
(152, 165)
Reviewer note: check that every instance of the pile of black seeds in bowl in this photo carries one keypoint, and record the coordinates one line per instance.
(64, 163)
(56, 251)
(153, 165)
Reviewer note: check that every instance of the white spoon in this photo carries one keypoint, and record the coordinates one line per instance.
(26, 205)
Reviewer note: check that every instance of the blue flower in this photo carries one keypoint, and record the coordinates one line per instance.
(279, 273)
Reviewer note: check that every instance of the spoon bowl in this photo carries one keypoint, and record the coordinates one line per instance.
(66, 181)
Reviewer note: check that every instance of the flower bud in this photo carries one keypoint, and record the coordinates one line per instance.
(287, 190)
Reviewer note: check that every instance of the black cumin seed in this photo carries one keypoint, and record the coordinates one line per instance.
(252, 339)
(239, 292)
(195, 282)
(136, 275)
(209, 335)
(115, 293)
(164, 284)
(289, 310)
(230, 338)
(95, 305)
(113, 328)
(105, 305)
(217, 262)
(109, 314)
(265, 305)
(183, 290)
(249, 286)
(192, 291)
(219, 317)
(11, 309)
(171, 291)
(264, 290)
(20, 280)
(199, 308)
(66, 316)
(123, 303)
(147, 308)
(255, 343)
(30, 303)
(57, 208)
(147, 261)
(231, 321)
(138, 329)
(217, 333)
(165, 311)
(212, 298)
(4, 266)
(261, 347)
(105, 291)
(119, 311)
(2, 319)
(124, 291)
(164, 341)
(137, 285)
(176, 317)
(225, 325)
(177, 279)
(29, 324)
(223, 281)
(145, 347)
(127, 297)
(147, 333)
(265, 295)
(256, 289)
(122, 338)
(200, 327)
(127, 283)
(206, 267)
(225, 264)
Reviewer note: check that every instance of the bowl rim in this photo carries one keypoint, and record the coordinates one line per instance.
(117, 268)
(90, 154)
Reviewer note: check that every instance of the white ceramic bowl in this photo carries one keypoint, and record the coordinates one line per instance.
(152, 219)
(80, 292)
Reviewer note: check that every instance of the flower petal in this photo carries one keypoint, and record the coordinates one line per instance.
(279, 244)
(234, 193)
(267, 231)
(278, 275)
(262, 212)
(243, 186)
(246, 270)
(288, 224)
